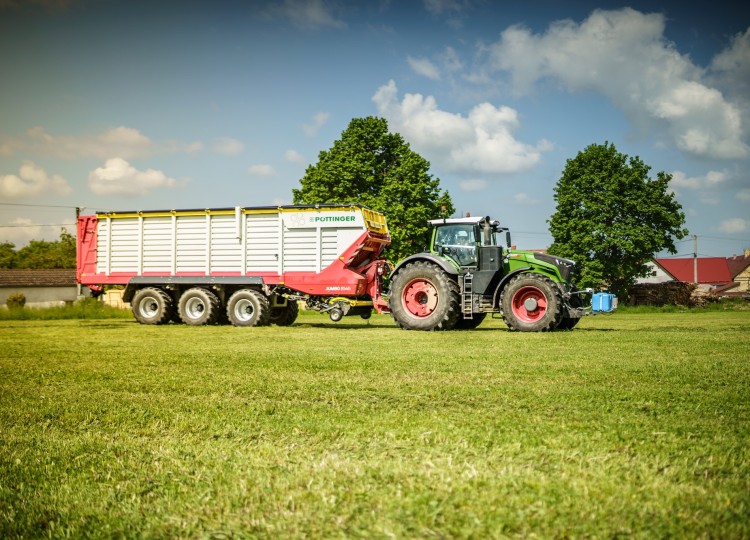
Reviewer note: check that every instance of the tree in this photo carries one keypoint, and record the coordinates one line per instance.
(377, 169)
(7, 255)
(43, 254)
(611, 218)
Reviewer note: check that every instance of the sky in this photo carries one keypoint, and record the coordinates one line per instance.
(112, 105)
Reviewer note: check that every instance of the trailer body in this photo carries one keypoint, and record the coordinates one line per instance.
(317, 253)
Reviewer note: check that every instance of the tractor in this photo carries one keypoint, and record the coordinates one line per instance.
(466, 273)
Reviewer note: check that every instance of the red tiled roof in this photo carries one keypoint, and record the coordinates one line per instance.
(22, 277)
(737, 264)
(711, 270)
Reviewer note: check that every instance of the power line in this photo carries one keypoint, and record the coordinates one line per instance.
(42, 205)
(37, 225)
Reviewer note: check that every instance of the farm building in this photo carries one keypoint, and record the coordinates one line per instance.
(687, 280)
(42, 288)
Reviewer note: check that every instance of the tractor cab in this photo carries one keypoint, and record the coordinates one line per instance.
(471, 242)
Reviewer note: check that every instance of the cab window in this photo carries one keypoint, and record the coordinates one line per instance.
(458, 241)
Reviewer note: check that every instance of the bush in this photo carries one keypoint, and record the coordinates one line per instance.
(16, 301)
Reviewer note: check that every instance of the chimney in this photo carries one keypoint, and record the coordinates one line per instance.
(747, 252)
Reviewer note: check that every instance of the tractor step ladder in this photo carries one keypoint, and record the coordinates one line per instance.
(466, 296)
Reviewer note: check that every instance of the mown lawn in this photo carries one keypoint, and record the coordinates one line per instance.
(631, 425)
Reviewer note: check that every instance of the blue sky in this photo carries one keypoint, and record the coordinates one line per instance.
(127, 105)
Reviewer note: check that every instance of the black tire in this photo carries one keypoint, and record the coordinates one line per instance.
(424, 297)
(248, 308)
(531, 303)
(199, 306)
(152, 306)
(284, 315)
(470, 324)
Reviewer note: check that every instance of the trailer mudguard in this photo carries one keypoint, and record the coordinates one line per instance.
(139, 282)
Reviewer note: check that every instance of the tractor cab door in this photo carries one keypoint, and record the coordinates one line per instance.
(458, 242)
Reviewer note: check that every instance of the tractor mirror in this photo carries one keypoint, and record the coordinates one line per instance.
(507, 238)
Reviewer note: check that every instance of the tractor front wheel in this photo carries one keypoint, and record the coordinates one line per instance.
(531, 303)
(424, 297)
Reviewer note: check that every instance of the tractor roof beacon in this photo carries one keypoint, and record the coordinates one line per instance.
(466, 273)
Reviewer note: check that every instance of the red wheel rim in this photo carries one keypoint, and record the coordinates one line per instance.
(529, 304)
(420, 297)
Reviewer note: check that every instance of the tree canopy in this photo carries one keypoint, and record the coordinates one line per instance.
(611, 218)
(370, 166)
(41, 253)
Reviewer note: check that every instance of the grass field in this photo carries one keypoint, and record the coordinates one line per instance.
(632, 425)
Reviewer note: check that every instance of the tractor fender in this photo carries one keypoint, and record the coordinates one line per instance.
(504, 281)
(428, 257)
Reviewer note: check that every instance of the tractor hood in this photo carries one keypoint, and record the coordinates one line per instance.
(564, 266)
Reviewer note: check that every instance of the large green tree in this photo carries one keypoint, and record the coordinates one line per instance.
(612, 218)
(370, 166)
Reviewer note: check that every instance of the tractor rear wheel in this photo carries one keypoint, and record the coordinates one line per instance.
(199, 306)
(531, 303)
(248, 308)
(152, 306)
(424, 297)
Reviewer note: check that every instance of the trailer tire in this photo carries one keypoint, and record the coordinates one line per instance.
(247, 307)
(284, 315)
(152, 306)
(531, 303)
(424, 297)
(199, 306)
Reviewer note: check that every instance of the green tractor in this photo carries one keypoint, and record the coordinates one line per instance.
(467, 274)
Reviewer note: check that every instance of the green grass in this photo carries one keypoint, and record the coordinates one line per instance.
(83, 309)
(634, 424)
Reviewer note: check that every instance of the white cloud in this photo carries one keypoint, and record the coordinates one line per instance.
(744, 195)
(261, 170)
(525, 199)
(318, 121)
(21, 230)
(228, 146)
(624, 55)
(120, 141)
(730, 71)
(480, 143)
(32, 180)
(293, 156)
(422, 66)
(307, 14)
(473, 185)
(734, 225)
(118, 177)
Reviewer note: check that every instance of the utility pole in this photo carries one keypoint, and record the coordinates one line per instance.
(695, 259)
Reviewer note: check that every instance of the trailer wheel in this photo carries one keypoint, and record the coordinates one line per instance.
(152, 306)
(424, 297)
(285, 315)
(199, 306)
(531, 303)
(248, 308)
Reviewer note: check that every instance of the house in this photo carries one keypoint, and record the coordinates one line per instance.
(42, 288)
(709, 271)
(739, 269)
